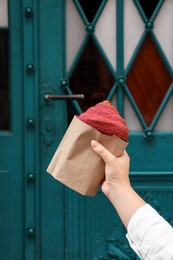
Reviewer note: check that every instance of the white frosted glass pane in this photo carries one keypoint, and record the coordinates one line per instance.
(75, 32)
(106, 31)
(133, 29)
(165, 122)
(3, 13)
(132, 120)
(163, 29)
(114, 101)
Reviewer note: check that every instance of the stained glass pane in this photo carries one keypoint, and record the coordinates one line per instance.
(3, 13)
(106, 31)
(131, 118)
(91, 77)
(133, 30)
(90, 8)
(165, 122)
(163, 29)
(148, 6)
(148, 80)
(4, 82)
(75, 32)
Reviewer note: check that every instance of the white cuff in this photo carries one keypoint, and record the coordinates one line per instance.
(150, 235)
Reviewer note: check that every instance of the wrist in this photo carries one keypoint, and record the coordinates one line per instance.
(126, 201)
(114, 190)
(118, 190)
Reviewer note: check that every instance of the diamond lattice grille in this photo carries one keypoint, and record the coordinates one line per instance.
(148, 80)
(91, 77)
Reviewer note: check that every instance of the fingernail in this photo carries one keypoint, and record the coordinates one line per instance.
(94, 143)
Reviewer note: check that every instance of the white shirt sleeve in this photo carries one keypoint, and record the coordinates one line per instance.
(150, 236)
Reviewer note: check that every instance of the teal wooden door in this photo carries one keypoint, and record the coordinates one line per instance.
(19, 164)
(115, 50)
(11, 134)
(53, 123)
(106, 50)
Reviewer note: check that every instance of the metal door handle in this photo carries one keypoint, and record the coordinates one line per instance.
(64, 97)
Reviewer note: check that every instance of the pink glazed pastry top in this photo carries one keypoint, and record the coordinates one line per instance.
(105, 118)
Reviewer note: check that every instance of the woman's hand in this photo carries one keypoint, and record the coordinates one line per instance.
(117, 185)
(116, 168)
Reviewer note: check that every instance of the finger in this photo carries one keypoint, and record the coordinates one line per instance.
(102, 151)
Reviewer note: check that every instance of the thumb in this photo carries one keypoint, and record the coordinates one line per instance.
(102, 152)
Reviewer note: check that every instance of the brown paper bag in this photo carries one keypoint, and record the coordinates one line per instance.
(75, 164)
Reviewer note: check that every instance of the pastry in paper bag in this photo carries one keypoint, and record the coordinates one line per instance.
(74, 163)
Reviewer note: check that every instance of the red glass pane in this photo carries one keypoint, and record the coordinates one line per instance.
(91, 77)
(148, 80)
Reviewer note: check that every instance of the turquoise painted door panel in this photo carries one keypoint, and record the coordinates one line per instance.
(39, 217)
(19, 183)
(89, 228)
(53, 123)
(11, 152)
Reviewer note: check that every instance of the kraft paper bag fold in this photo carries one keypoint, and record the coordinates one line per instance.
(75, 164)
